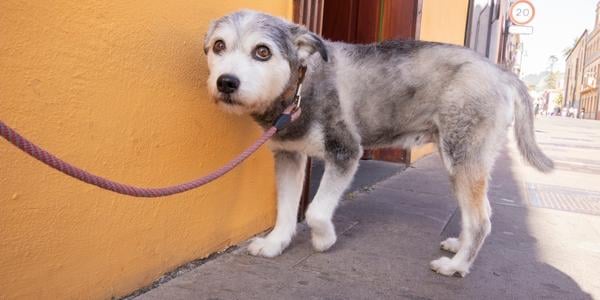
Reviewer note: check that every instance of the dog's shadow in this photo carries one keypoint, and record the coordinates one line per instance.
(390, 233)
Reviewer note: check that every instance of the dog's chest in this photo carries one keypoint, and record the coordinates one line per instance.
(311, 144)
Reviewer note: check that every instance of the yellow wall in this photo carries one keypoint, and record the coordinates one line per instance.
(441, 21)
(444, 21)
(118, 88)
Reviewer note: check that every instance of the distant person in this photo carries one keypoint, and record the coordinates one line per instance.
(536, 110)
(582, 113)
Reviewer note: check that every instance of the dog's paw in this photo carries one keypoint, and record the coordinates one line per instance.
(322, 231)
(322, 242)
(447, 267)
(266, 247)
(450, 244)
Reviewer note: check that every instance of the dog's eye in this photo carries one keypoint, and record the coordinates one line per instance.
(219, 46)
(262, 53)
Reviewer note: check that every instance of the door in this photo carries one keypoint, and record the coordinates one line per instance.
(369, 21)
(359, 21)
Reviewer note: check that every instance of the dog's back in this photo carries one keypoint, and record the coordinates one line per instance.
(405, 92)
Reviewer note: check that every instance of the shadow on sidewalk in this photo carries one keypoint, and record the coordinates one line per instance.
(509, 264)
(388, 237)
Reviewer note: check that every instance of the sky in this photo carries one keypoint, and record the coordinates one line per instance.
(555, 25)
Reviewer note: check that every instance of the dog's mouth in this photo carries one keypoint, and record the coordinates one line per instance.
(228, 99)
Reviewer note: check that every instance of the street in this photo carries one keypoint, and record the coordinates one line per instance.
(545, 240)
(574, 145)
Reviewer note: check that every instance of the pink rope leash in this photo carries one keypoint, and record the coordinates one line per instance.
(51, 160)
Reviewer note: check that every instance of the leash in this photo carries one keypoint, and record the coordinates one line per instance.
(289, 115)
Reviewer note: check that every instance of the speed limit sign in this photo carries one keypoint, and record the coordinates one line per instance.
(521, 12)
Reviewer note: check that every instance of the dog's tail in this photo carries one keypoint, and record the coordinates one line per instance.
(524, 131)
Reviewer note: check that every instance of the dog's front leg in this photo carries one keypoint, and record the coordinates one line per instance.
(339, 171)
(289, 169)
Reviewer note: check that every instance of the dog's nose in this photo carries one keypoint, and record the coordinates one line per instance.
(227, 83)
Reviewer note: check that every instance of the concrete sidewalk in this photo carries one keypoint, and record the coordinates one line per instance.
(387, 236)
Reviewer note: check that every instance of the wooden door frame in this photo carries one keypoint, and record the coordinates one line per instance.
(310, 14)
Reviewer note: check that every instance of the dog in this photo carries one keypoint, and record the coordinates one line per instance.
(355, 97)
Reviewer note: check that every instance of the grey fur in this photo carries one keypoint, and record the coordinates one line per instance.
(524, 132)
(396, 93)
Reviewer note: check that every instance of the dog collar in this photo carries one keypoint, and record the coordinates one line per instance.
(292, 112)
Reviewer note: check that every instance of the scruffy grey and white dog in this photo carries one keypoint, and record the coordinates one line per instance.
(355, 97)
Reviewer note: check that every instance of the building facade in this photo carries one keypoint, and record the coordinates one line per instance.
(591, 72)
(583, 72)
(574, 66)
(486, 28)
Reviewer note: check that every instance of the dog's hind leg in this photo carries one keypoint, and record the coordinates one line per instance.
(470, 188)
(290, 167)
(468, 145)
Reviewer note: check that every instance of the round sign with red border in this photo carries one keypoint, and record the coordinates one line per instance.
(521, 12)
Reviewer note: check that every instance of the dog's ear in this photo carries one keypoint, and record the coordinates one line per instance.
(307, 43)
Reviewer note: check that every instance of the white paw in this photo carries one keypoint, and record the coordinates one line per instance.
(322, 231)
(447, 267)
(322, 242)
(266, 247)
(450, 244)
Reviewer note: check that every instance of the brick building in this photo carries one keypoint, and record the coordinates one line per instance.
(575, 63)
(583, 71)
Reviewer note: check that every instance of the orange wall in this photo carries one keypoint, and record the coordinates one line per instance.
(118, 88)
(444, 21)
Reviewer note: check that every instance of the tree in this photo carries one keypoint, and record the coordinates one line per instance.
(551, 80)
(551, 61)
(558, 101)
(552, 77)
(568, 50)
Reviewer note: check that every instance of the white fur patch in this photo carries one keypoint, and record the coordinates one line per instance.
(312, 144)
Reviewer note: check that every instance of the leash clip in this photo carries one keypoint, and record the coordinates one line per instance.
(298, 95)
(297, 98)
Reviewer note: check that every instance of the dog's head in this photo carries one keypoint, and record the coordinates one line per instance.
(253, 59)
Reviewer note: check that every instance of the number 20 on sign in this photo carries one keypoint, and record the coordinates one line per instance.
(521, 12)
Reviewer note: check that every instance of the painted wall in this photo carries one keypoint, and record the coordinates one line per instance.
(118, 88)
(441, 21)
(444, 21)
